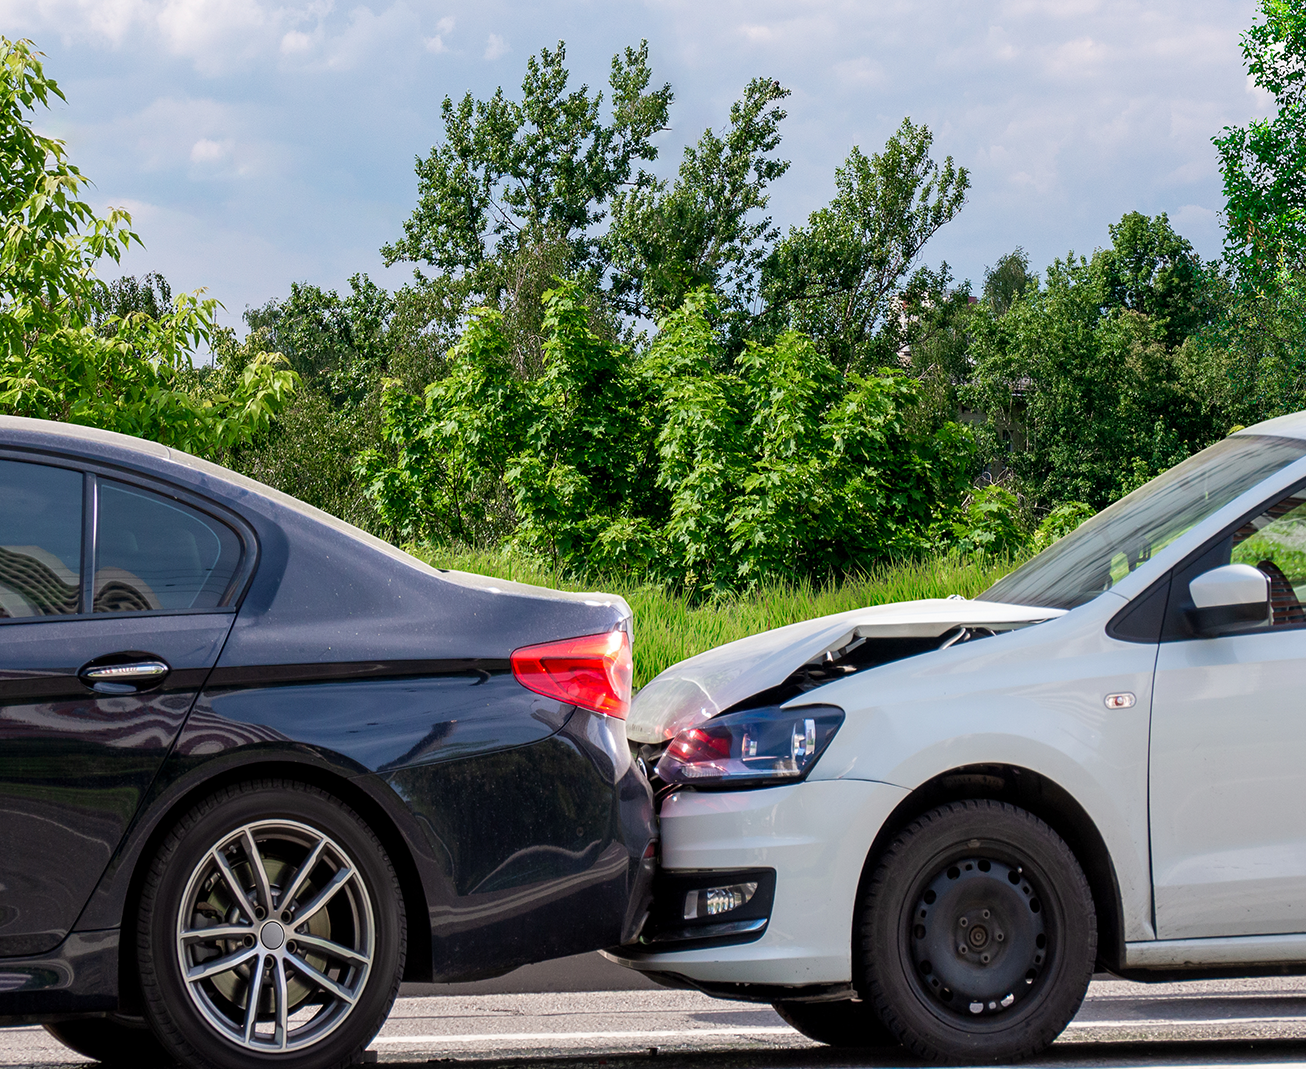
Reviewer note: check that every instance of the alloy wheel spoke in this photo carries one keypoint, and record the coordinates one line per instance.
(331, 950)
(282, 1030)
(324, 896)
(253, 996)
(233, 884)
(322, 980)
(288, 896)
(220, 965)
(260, 873)
(217, 932)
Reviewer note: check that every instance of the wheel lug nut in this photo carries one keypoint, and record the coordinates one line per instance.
(963, 922)
(999, 937)
(984, 958)
(962, 949)
(986, 914)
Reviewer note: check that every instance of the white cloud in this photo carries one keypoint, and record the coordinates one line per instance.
(496, 46)
(862, 71)
(207, 151)
(443, 29)
(295, 41)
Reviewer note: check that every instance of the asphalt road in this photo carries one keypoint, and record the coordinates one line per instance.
(553, 1017)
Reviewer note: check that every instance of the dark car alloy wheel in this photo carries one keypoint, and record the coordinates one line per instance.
(272, 923)
(979, 934)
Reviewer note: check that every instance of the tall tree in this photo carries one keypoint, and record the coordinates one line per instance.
(670, 238)
(1008, 279)
(1264, 162)
(514, 193)
(839, 278)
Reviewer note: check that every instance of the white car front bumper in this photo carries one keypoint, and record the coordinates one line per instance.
(816, 835)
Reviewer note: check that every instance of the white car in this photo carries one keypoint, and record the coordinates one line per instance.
(930, 822)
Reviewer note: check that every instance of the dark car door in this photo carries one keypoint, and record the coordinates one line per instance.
(113, 609)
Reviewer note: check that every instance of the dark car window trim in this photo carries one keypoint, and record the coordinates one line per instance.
(92, 471)
(1174, 625)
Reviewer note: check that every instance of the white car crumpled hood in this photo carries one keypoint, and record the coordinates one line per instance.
(700, 687)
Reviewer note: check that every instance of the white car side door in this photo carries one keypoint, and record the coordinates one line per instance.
(1227, 780)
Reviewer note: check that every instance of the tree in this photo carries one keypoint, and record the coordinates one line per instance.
(1264, 162)
(1006, 280)
(512, 196)
(678, 465)
(1150, 269)
(838, 279)
(150, 294)
(135, 373)
(668, 239)
(1098, 380)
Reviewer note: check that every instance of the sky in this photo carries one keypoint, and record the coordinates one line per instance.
(260, 142)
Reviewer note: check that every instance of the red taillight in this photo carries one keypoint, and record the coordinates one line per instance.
(593, 672)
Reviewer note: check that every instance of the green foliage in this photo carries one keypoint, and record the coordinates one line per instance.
(838, 278)
(66, 351)
(1264, 162)
(1088, 385)
(778, 468)
(1059, 522)
(51, 237)
(512, 196)
(1259, 343)
(670, 627)
(1150, 269)
(669, 239)
(1007, 280)
(150, 294)
(990, 523)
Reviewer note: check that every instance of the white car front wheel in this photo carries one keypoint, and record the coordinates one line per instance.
(978, 934)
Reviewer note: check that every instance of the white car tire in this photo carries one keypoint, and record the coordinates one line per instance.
(978, 934)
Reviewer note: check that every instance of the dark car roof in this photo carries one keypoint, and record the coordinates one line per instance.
(328, 591)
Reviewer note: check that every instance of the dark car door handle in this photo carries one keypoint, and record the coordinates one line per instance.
(123, 678)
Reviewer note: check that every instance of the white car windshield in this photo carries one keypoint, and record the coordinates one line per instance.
(1103, 550)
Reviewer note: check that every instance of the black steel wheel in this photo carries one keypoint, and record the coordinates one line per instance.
(978, 934)
(271, 931)
(845, 1023)
(112, 1041)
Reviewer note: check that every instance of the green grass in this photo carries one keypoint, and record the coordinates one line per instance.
(668, 629)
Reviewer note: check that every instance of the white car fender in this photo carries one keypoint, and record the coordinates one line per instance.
(1034, 698)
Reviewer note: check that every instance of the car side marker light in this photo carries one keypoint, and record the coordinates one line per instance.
(712, 901)
(1123, 700)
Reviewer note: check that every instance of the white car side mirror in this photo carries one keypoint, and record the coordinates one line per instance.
(1235, 597)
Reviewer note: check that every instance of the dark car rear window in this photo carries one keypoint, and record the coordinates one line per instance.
(153, 553)
(40, 539)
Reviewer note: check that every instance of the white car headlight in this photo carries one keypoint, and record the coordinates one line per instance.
(756, 747)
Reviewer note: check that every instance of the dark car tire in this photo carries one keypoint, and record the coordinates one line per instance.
(996, 880)
(840, 1024)
(354, 937)
(111, 1041)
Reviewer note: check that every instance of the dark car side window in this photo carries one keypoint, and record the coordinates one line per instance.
(40, 540)
(152, 553)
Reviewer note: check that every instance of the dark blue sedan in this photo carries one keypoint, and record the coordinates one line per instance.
(257, 766)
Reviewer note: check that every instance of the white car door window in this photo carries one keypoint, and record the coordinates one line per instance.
(1228, 753)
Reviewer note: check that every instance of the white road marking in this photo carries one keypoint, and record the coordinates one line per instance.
(1182, 1022)
(489, 1037)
